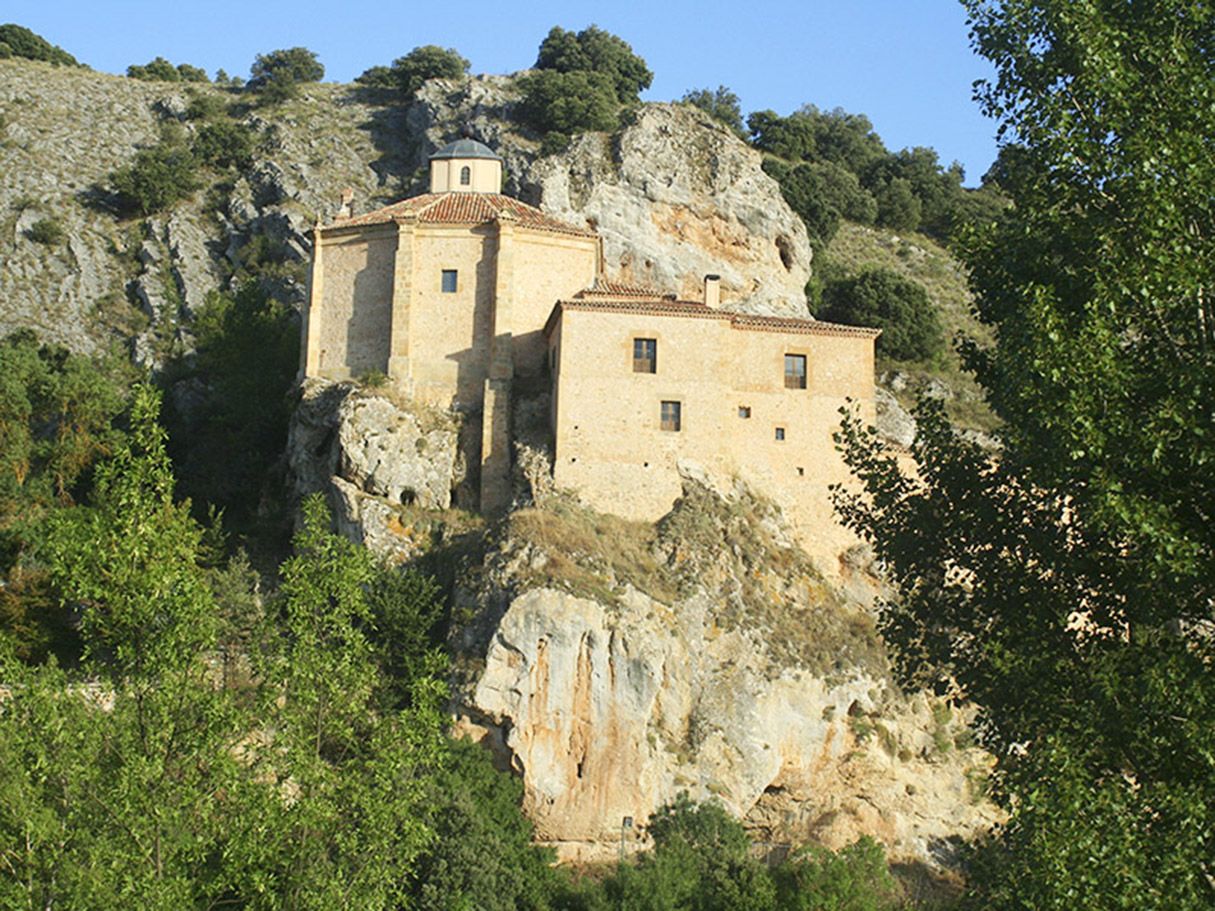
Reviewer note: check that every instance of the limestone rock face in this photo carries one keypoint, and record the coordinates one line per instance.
(674, 195)
(371, 455)
(751, 684)
(677, 196)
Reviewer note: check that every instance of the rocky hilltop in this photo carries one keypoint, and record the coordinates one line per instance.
(673, 195)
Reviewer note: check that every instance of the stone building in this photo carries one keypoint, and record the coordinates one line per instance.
(459, 294)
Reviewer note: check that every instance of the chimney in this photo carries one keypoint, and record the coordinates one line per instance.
(713, 291)
(347, 207)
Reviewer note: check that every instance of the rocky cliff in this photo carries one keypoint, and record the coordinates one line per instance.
(613, 664)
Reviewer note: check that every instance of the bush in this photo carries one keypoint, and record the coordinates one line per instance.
(593, 50)
(408, 73)
(47, 231)
(225, 144)
(161, 70)
(568, 103)
(277, 76)
(721, 105)
(911, 329)
(21, 42)
(158, 177)
(822, 193)
(898, 207)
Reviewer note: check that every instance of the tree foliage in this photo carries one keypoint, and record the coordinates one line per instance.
(581, 82)
(594, 50)
(1067, 586)
(276, 76)
(19, 41)
(408, 73)
(158, 69)
(159, 176)
(720, 104)
(227, 446)
(883, 299)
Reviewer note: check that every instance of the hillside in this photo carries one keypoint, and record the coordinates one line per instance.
(712, 603)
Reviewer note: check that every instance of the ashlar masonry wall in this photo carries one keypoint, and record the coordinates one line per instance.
(728, 379)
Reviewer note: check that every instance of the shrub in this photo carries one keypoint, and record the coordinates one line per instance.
(224, 144)
(161, 70)
(568, 103)
(47, 231)
(277, 76)
(157, 178)
(911, 329)
(822, 193)
(898, 207)
(408, 73)
(593, 50)
(721, 105)
(21, 42)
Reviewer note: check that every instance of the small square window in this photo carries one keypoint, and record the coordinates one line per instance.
(795, 371)
(645, 355)
(780, 433)
(801, 472)
(670, 415)
(744, 411)
(450, 281)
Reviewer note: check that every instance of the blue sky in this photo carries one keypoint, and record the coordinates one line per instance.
(907, 64)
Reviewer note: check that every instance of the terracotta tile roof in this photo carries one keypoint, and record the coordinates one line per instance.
(605, 288)
(697, 310)
(462, 209)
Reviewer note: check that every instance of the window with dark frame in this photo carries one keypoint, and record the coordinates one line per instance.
(669, 416)
(795, 371)
(465, 176)
(744, 411)
(645, 355)
(780, 433)
(450, 281)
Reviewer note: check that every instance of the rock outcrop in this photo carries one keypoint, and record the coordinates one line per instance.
(371, 454)
(674, 194)
(714, 661)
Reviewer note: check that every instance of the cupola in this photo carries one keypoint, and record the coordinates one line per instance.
(465, 166)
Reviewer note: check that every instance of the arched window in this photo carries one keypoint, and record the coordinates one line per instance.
(465, 176)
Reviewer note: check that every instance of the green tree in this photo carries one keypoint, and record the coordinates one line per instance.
(21, 42)
(57, 413)
(897, 205)
(277, 75)
(594, 50)
(900, 307)
(354, 812)
(158, 69)
(227, 447)
(721, 104)
(159, 176)
(408, 73)
(130, 558)
(482, 856)
(108, 784)
(855, 878)
(1067, 586)
(563, 104)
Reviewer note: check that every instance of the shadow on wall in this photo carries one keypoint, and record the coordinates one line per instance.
(369, 329)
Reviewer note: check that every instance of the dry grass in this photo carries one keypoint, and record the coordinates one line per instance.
(592, 554)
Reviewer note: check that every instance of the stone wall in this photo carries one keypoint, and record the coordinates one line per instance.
(729, 383)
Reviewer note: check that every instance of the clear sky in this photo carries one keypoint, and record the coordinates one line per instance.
(907, 64)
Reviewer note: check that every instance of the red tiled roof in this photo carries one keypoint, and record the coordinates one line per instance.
(462, 209)
(614, 289)
(696, 309)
